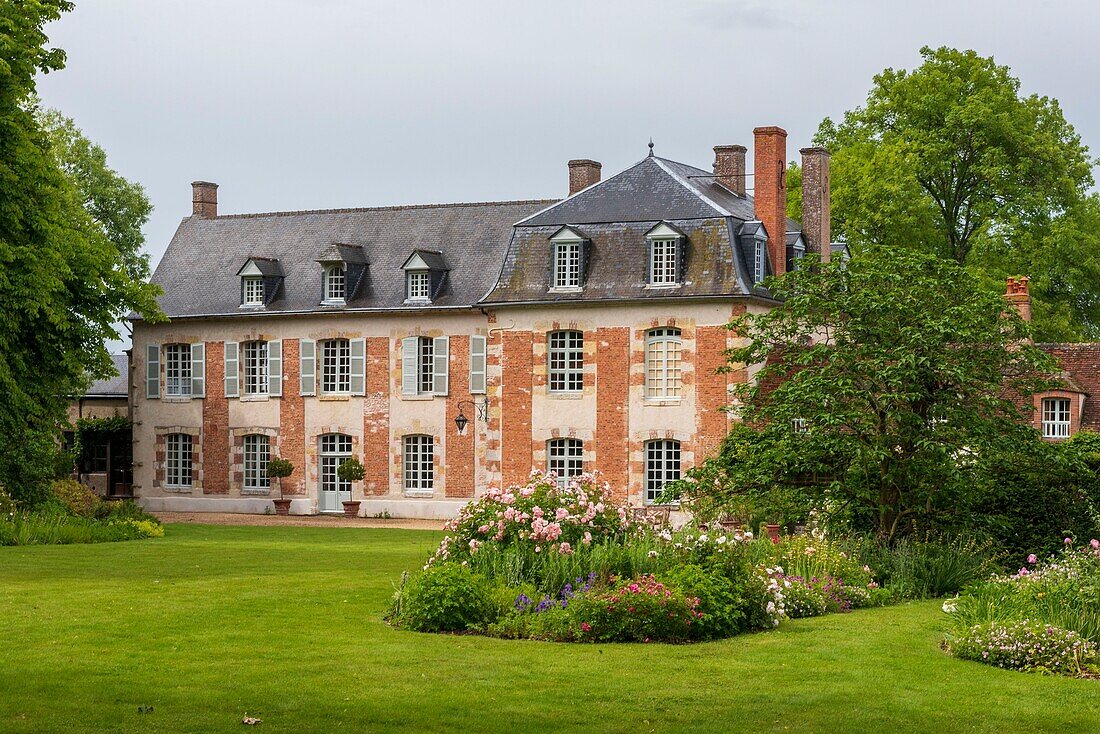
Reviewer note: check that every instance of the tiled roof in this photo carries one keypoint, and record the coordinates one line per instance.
(198, 271)
(113, 386)
(1081, 364)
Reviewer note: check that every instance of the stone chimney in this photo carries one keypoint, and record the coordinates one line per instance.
(815, 202)
(204, 199)
(582, 174)
(770, 191)
(729, 167)
(1016, 293)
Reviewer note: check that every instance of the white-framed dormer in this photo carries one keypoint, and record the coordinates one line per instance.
(665, 252)
(261, 279)
(423, 272)
(567, 260)
(335, 285)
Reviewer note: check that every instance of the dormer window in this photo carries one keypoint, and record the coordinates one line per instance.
(335, 284)
(418, 285)
(568, 259)
(665, 256)
(425, 274)
(759, 261)
(253, 291)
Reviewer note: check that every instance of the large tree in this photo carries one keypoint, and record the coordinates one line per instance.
(952, 159)
(68, 269)
(882, 383)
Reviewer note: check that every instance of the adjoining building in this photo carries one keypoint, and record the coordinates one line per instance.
(106, 464)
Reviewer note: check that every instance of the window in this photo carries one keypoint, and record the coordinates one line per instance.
(425, 357)
(799, 252)
(1055, 417)
(253, 291)
(335, 450)
(336, 367)
(334, 284)
(96, 459)
(662, 364)
(566, 361)
(662, 465)
(179, 460)
(419, 464)
(565, 458)
(255, 368)
(177, 370)
(760, 262)
(567, 264)
(664, 262)
(799, 425)
(418, 285)
(257, 452)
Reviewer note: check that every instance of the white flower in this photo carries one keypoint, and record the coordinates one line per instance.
(703, 538)
(653, 554)
(721, 540)
(950, 605)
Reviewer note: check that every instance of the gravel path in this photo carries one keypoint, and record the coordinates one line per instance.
(302, 521)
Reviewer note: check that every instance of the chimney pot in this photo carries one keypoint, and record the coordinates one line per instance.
(1017, 293)
(816, 210)
(770, 190)
(729, 167)
(582, 174)
(204, 199)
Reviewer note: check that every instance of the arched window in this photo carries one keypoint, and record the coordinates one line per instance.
(335, 290)
(257, 452)
(663, 348)
(662, 465)
(565, 355)
(565, 457)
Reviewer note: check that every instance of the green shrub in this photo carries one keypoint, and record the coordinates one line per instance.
(720, 600)
(77, 499)
(642, 610)
(919, 569)
(447, 597)
(803, 600)
(1027, 646)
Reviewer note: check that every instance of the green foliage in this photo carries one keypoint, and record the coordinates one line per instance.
(279, 468)
(721, 601)
(65, 281)
(1029, 647)
(917, 569)
(91, 431)
(33, 528)
(952, 159)
(901, 366)
(642, 610)
(77, 499)
(351, 470)
(445, 598)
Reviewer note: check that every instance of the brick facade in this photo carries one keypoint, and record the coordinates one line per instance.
(770, 190)
(460, 446)
(292, 421)
(215, 423)
(612, 393)
(515, 421)
(376, 418)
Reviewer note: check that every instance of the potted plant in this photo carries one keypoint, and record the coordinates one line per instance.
(278, 469)
(351, 470)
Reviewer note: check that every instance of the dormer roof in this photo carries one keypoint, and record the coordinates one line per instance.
(664, 229)
(425, 260)
(571, 234)
(341, 253)
(265, 267)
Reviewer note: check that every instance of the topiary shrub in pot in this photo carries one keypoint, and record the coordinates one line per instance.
(351, 470)
(278, 469)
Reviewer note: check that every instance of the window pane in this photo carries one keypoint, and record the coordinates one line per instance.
(255, 368)
(426, 365)
(253, 291)
(663, 370)
(177, 369)
(257, 452)
(178, 460)
(334, 284)
(565, 457)
(565, 356)
(335, 448)
(567, 264)
(336, 366)
(662, 466)
(664, 262)
(419, 463)
(1056, 420)
(419, 285)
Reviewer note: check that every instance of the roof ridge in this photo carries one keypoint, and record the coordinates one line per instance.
(400, 207)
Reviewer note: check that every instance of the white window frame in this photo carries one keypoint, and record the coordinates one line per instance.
(254, 356)
(565, 361)
(1056, 417)
(335, 357)
(177, 370)
(662, 465)
(664, 350)
(257, 452)
(664, 261)
(336, 281)
(565, 457)
(418, 285)
(425, 365)
(335, 449)
(418, 464)
(253, 290)
(760, 260)
(179, 452)
(567, 264)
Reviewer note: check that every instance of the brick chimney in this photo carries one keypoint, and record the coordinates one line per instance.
(204, 199)
(815, 202)
(729, 167)
(770, 190)
(582, 174)
(1016, 293)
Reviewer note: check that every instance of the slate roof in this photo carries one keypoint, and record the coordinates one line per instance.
(1081, 365)
(199, 270)
(116, 386)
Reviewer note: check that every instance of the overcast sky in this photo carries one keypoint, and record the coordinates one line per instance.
(310, 104)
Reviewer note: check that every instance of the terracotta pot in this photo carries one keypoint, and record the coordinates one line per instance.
(351, 508)
(773, 532)
(282, 506)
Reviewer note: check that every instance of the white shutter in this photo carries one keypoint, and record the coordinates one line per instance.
(410, 346)
(152, 371)
(308, 362)
(441, 363)
(198, 370)
(275, 367)
(477, 365)
(358, 381)
(232, 370)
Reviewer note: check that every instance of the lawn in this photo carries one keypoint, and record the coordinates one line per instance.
(211, 623)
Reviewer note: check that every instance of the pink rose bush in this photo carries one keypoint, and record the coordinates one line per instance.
(541, 515)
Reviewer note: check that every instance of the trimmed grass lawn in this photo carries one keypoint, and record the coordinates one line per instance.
(284, 623)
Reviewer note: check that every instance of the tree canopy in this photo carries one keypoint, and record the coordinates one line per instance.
(882, 383)
(953, 159)
(70, 261)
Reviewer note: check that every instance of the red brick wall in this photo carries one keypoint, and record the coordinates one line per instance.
(710, 389)
(770, 190)
(1081, 363)
(459, 481)
(215, 423)
(515, 421)
(376, 418)
(612, 384)
(292, 420)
